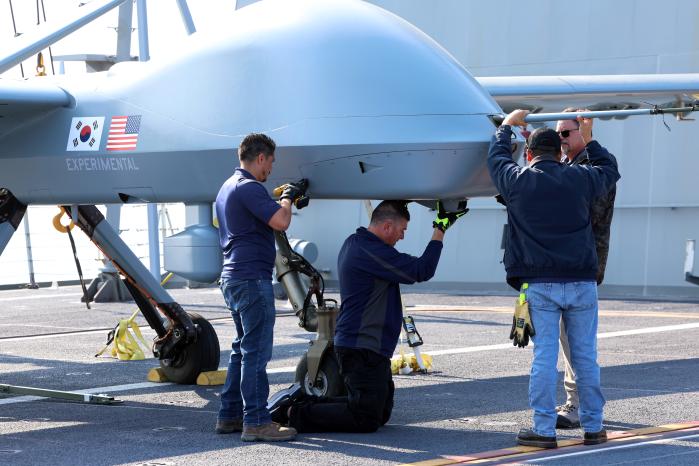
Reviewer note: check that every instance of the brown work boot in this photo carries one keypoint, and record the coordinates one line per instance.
(271, 432)
(228, 426)
(595, 438)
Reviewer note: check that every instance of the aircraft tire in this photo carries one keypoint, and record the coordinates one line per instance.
(330, 380)
(200, 356)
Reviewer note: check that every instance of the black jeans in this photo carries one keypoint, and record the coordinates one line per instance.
(369, 400)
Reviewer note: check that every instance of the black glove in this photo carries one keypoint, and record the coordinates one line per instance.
(522, 326)
(446, 219)
(295, 192)
(500, 200)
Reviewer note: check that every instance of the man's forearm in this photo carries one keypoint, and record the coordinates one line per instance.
(282, 218)
(437, 235)
(286, 209)
(500, 162)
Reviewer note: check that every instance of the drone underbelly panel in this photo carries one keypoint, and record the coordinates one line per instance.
(416, 173)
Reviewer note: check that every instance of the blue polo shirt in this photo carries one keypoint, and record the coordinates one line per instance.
(243, 208)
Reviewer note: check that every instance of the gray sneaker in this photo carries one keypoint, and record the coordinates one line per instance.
(271, 432)
(567, 417)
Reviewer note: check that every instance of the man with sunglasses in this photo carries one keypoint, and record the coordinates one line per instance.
(574, 150)
(550, 258)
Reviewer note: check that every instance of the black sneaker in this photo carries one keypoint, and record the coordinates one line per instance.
(279, 403)
(530, 438)
(595, 438)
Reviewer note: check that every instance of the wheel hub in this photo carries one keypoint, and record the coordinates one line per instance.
(320, 387)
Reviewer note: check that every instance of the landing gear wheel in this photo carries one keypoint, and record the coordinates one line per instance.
(328, 381)
(200, 356)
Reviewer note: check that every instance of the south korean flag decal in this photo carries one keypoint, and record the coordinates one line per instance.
(85, 134)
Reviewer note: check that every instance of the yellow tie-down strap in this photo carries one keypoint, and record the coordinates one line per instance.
(403, 364)
(125, 345)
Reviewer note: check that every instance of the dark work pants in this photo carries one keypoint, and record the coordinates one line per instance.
(369, 400)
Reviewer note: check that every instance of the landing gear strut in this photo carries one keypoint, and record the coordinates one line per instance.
(318, 371)
(11, 214)
(186, 343)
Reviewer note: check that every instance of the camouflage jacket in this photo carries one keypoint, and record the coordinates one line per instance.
(601, 219)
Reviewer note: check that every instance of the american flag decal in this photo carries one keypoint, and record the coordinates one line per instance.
(123, 132)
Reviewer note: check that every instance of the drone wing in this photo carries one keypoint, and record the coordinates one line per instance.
(24, 101)
(610, 92)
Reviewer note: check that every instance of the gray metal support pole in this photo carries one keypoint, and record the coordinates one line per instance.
(368, 207)
(153, 234)
(241, 3)
(28, 243)
(689, 264)
(114, 220)
(143, 50)
(114, 216)
(124, 32)
(107, 239)
(29, 44)
(198, 214)
(186, 17)
(541, 117)
(153, 240)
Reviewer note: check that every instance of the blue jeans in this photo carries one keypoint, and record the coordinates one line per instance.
(576, 304)
(246, 390)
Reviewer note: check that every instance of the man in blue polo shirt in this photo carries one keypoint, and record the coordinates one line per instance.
(247, 216)
(370, 270)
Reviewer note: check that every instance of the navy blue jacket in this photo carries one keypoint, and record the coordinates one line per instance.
(370, 272)
(548, 210)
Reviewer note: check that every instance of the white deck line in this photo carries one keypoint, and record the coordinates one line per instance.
(287, 369)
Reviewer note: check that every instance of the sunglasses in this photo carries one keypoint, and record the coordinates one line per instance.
(566, 132)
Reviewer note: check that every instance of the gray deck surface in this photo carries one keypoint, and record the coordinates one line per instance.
(473, 401)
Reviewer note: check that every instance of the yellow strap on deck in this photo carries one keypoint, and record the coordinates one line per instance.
(125, 346)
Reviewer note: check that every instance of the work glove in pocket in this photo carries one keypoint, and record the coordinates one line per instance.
(522, 326)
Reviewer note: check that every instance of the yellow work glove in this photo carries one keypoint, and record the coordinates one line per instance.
(446, 219)
(522, 326)
(295, 192)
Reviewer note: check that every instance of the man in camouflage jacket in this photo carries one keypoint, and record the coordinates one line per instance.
(574, 152)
